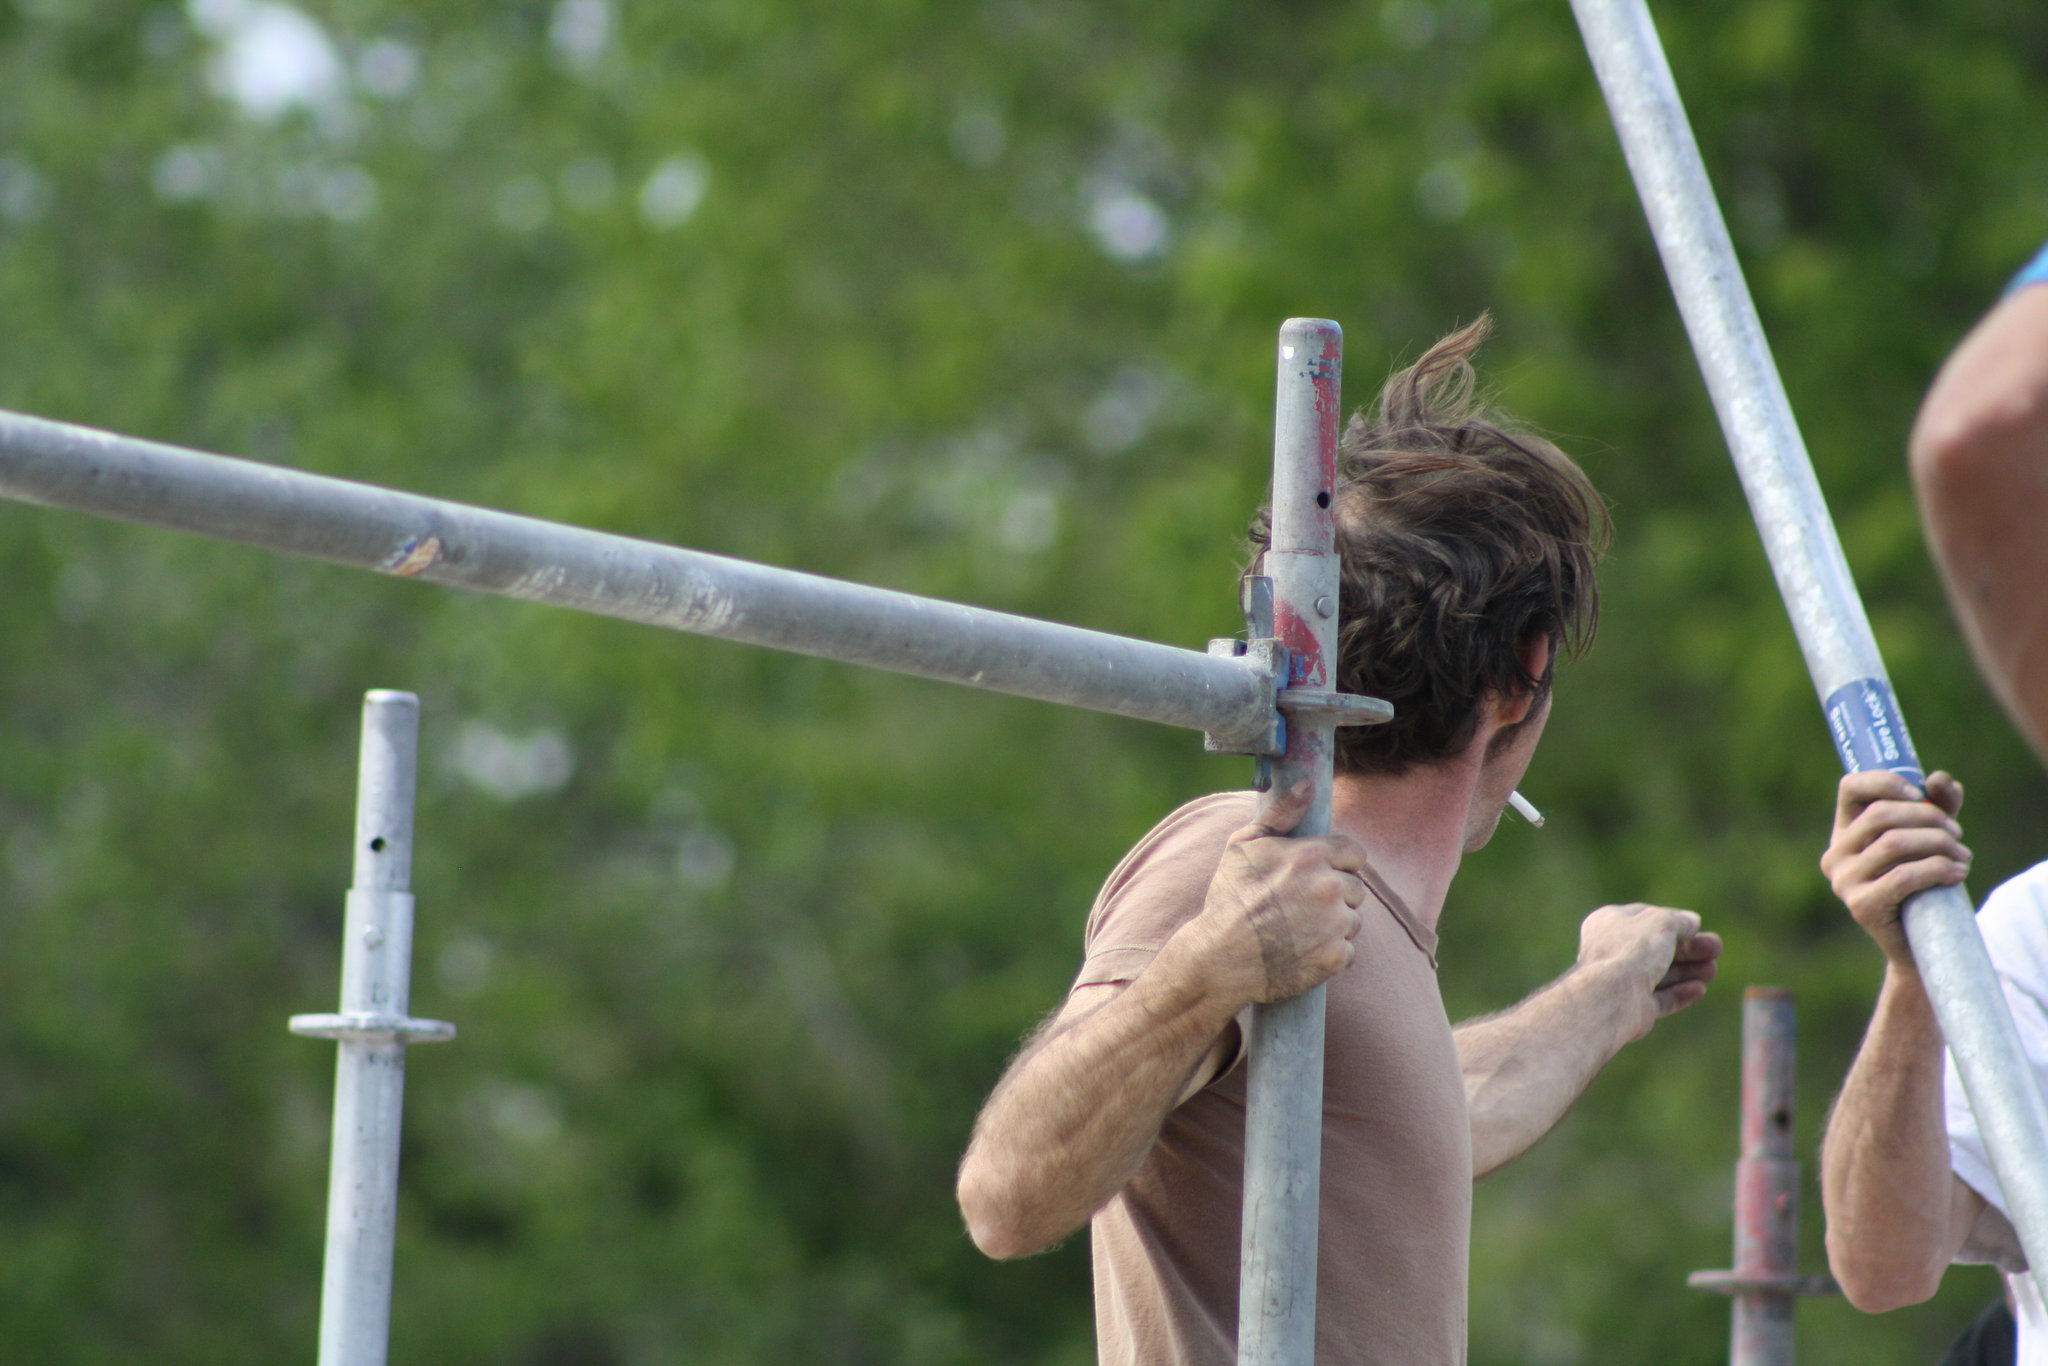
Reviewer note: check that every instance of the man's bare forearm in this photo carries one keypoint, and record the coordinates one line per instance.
(1893, 1213)
(1526, 1066)
(1074, 1116)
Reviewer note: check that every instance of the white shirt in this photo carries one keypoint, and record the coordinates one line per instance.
(2014, 923)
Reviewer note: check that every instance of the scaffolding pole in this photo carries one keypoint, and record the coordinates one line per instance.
(373, 1030)
(1283, 1141)
(1813, 576)
(1270, 696)
(57, 465)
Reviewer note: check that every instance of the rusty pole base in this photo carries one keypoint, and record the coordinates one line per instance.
(1766, 1283)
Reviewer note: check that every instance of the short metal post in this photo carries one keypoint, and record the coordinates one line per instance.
(1766, 1282)
(1276, 1315)
(373, 1029)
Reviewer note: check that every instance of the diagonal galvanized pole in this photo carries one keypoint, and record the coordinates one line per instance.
(1813, 576)
(1276, 1313)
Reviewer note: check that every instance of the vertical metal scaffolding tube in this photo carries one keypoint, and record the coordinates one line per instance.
(1813, 577)
(1766, 1182)
(373, 1029)
(1276, 1315)
(1765, 1282)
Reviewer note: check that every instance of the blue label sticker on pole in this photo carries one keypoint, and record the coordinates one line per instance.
(1863, 716)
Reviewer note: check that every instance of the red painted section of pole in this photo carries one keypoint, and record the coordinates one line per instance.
(1766, 1181)
(1765, 1281)
(1284, 1093)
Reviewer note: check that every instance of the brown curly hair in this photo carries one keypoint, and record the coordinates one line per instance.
(1460, 536)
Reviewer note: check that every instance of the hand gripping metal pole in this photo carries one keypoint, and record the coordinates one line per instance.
(373, 1028)
(1813, 576)
(1283, 1149)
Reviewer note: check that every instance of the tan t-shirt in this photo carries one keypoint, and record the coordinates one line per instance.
(1397, 1144)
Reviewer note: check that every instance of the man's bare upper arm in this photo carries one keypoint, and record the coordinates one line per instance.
(1980, 461)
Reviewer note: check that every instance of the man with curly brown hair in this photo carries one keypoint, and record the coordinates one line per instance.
(1467, 548)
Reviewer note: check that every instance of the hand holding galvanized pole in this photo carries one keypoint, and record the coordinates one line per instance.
(1276, 1314)
(373, 1028)
(1813, 576)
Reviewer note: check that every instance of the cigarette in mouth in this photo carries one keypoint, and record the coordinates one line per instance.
(1526, 807)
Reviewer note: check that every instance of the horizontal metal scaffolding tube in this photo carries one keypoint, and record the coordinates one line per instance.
(58, 465)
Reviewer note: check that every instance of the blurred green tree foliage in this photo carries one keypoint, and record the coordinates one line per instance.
(972, 300)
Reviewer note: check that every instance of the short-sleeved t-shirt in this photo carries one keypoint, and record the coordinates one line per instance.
(2014, 923)
(1396, 1206)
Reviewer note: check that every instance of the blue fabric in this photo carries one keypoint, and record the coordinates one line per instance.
(2035, 272)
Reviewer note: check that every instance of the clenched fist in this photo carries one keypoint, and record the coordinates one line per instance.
(1662, 952)
(1280, 913)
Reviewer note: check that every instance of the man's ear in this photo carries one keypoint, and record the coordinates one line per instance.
(1535, 655)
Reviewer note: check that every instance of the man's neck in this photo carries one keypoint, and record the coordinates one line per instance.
(1414, 827)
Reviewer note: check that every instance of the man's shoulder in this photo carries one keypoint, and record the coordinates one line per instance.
(2032, 884)
(1189, 830)
(1204, 815)
(1193, 830)
(1172, 863)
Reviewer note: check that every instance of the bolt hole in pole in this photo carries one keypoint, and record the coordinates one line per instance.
(377, 845)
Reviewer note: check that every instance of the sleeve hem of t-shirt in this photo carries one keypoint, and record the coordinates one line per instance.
(1118, 967)
(1109, 967)
(1244, 1046)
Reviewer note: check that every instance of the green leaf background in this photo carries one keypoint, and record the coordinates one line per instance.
(971, 300)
